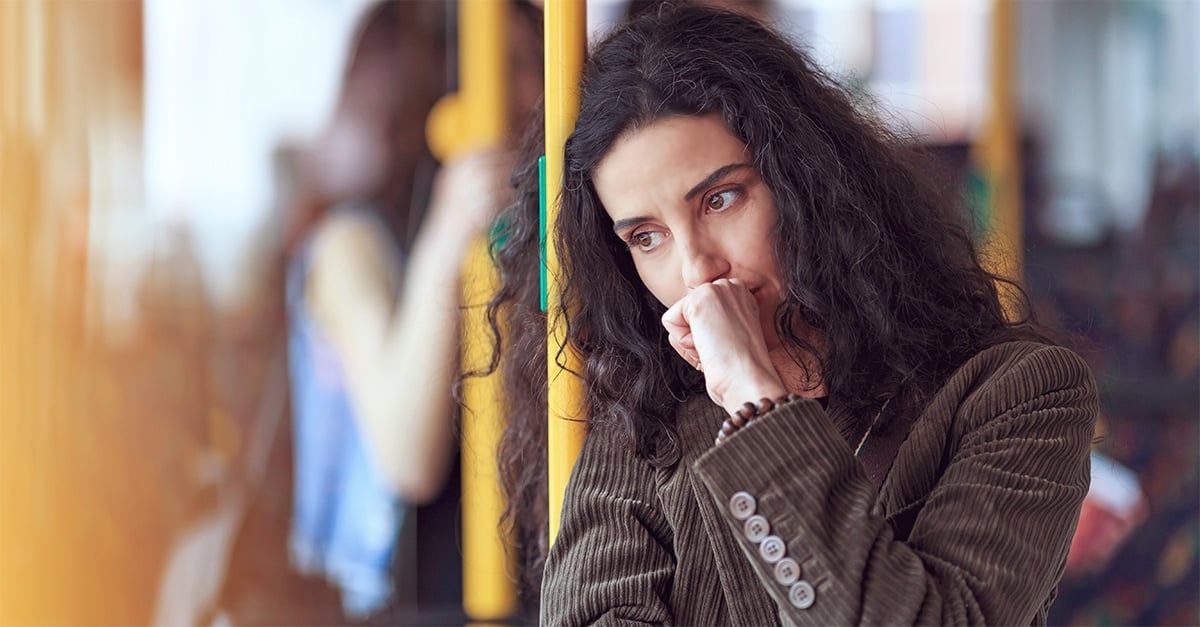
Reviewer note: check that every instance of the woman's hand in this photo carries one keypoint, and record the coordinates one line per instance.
(716, 329)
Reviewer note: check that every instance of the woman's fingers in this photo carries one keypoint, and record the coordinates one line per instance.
(717, 329)
(688, 354)
(679, 334)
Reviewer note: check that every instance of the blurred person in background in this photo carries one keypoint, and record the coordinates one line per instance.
(361, 195)
(376, 239)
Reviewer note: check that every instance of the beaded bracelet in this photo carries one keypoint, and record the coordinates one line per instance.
(750, 411)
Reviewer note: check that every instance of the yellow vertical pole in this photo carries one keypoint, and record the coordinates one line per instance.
(488, 591)
(483, 68)
(474, 118)
(566, 45)
(998, 151)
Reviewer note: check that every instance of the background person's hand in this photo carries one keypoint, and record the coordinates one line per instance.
(468, 192)
(716, 329)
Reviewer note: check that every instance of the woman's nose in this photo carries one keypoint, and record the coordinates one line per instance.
(702, 264)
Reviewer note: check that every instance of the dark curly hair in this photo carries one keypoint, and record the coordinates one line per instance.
(874, 255)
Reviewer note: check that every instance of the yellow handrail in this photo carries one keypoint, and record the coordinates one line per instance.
(997, 155)
(475, 118)
(566, 44)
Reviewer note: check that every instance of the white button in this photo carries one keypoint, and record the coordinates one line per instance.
(772, 549)
(802, 595)
(742, 505)
(757, 528)
(787, 571)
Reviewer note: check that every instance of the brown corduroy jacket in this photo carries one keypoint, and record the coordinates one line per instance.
(971, 524)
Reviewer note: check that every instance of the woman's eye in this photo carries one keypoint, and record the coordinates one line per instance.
(721, 201)
(646, 240)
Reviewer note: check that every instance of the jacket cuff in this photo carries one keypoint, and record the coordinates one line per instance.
(788, 462)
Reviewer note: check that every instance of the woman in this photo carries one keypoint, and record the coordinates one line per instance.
(748, 258)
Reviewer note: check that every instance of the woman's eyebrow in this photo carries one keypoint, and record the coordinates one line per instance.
(624, 223)
(717, 175)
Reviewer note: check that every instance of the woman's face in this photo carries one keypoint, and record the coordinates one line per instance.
(685, 197)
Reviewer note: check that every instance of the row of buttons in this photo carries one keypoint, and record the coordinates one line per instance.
(772, 549)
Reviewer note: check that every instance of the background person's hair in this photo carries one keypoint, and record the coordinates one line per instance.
(873, 256)
(394, 74)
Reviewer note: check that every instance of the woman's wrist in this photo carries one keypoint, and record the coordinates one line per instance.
(749, 411)
(752, 388)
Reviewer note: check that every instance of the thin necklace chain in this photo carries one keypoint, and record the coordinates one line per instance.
(870, 427)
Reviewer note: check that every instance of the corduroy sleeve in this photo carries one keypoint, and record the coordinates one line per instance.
(990, 539)
(612, 562)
